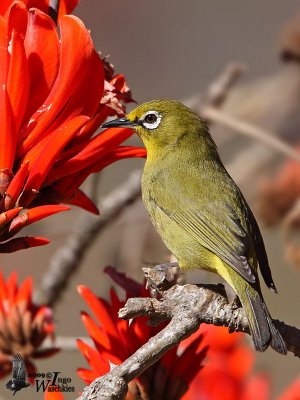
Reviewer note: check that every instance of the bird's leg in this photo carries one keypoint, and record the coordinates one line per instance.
(162, 277)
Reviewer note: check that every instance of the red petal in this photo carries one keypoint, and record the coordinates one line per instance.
(16, 185)
(22, 243)
(8, 132)
(291, 392)
(90, 89)
(258, 388)
(12, 288)
(18, 78)
(42, 51)
(94, 123)
(114, 299)
(101, 311)
(131, 287)
(43, 5)
(79, 67)
(92, 356)
(4, 4)
(25, 291)
(66, 7)
(17, 19)
(80, 199)
(87, 375)
(95, 332)
(52, 394)
(34, 215)
(117, 154)
(94, 150)
(3, 289)
(240, 362)
(193, 366)
(7, 216)
(4, 56)
(52, 146)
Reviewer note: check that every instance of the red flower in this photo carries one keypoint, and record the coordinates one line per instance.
(65, 6)
(279, 194)
(226, 373)
(115, 340)
(292, 392)
(53, 96)
(52, 394)
(23, 325)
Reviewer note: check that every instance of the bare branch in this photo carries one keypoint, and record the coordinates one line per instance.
(65, 343)
(67, 259)
(253, 131)
(186, 307)
(218, 90)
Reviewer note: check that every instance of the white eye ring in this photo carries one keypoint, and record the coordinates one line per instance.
(151, 125)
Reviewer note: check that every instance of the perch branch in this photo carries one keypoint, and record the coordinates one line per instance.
(67, 259)
(186, 307)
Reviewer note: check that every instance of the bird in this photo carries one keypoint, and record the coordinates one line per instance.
(18, 380)
(199, 211)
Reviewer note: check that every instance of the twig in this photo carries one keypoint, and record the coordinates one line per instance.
(219, 89)
(187, 307)
(247, 129)
(66, 343)
(67, 259)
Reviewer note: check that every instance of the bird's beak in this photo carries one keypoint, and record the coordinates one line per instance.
(118, 123)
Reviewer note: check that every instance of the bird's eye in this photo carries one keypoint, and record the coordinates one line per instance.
(150, 118)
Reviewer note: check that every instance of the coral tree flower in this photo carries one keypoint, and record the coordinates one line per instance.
(115, 340)
(227, 370)
(211, 364)
(55, 91)
(52, 394)
(23, 325)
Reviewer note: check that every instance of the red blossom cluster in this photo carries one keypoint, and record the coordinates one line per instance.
(55, 91)
(211, 364)
(115, 340)
(278, 195)
(23, 325)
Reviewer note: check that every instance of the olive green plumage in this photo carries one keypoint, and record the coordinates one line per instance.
(199, 211)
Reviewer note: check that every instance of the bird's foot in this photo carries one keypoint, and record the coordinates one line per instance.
(161, 277)
(236, 303)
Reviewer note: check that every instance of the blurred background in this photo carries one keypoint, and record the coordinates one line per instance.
(174, 49)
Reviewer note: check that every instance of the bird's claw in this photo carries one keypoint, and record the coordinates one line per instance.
(161, 277)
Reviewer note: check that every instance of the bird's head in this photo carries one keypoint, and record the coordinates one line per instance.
(160, 123)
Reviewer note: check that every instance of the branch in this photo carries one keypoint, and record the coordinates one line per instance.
(243, 101)
(67, 259)
(250, 130)
(186, 307)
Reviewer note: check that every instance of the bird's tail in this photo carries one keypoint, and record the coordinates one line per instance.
(261, 325)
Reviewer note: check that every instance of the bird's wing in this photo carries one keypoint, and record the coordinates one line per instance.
(217, 228)
(261, 253)
(19, 368)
